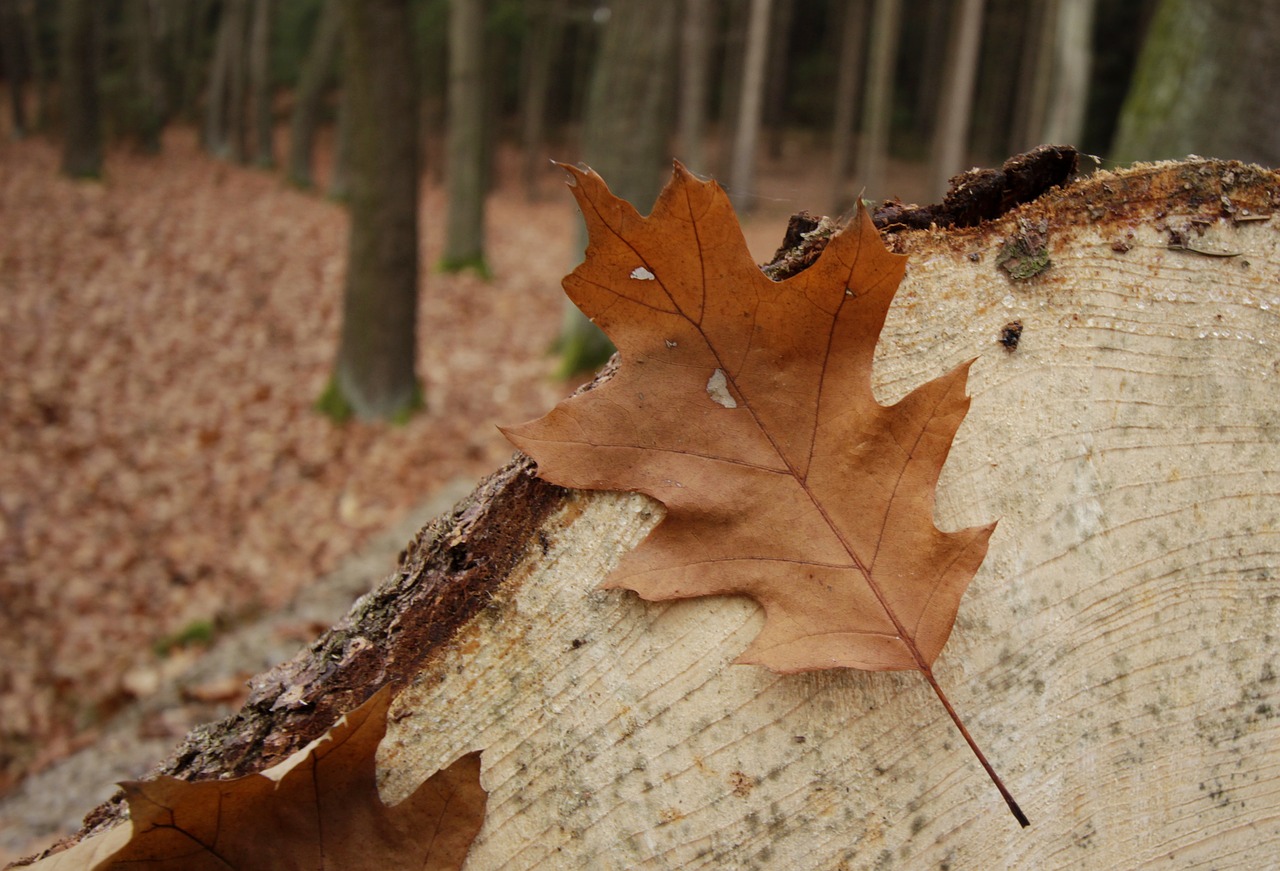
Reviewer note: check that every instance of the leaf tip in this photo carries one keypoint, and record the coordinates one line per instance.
(571, 172)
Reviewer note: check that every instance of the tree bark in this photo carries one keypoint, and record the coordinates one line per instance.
(1115, 649)
(776, 91)
(79, 48)
(746, 134)
(877, 105)
(17, 66)
(216, 96)
(1072, 59)
(260, 84)
(695, 56)
(374, 375)
(317, 73)
(627, 126)
(848, 85)
(28, 25)
(546, 36)
(465, 157)
(951, 133)
(237, 141)
(149, 89)
(1204, 85)
(339, 186)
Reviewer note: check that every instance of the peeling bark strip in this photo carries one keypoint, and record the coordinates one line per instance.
(985, 194)
(447, 575)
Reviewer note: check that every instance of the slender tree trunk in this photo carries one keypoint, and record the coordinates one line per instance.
(774, 113)
(848, 81)
(746, 136)
(317, 73)
(951, 133)
(374, 376)
(928, 53)
(546, 36)
(339, 178)
(465, 158)
(195, 63)
(28, 13)
(17, 66)
(626, 130)
(695, 45)
(238, 82)
(79, 36)
(149, 101)
(215, 122)
(1036, 75)
(260, 84)
(1072, 56)
(730, 85)
(877, 106)
(996, 93)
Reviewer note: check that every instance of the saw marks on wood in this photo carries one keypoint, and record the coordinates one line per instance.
(1117, 653)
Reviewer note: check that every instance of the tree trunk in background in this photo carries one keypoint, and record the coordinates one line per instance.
(730, 85)
(936, 21)
(1035, 75)
(996, 92)
(78, 63)
(193, 60)
(695, 55)
(546, 36)
(1205, 84)
(465, 155)
(374, 375)
(17, 66)
(877, 105)
(774, 112)
(339, 179)
(237, 150)
(260, 84)
(625, 133)
(216, 96)
(1072, 60)
(951, 133)
(852, 60)
(40, 67)
(149, 98)
(746, 134)
(314, 79)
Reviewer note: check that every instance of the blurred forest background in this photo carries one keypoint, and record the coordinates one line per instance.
(271, 270)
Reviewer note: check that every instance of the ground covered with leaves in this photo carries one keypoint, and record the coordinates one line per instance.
(163, 337)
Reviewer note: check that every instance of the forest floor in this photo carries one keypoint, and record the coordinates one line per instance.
(165, 484)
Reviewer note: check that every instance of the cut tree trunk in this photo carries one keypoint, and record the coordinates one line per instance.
(1115, 654)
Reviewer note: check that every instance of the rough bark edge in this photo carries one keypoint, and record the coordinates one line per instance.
(448, 574)
(452, 568)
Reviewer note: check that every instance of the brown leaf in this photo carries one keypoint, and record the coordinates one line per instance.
(745, 406)
(320, 810)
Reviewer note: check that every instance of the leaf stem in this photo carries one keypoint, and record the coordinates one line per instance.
(973, 745)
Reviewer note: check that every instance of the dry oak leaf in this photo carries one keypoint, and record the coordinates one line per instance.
(319, 809)
(745, 406)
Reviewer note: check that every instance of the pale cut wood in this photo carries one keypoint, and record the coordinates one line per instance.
(1116, 655)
